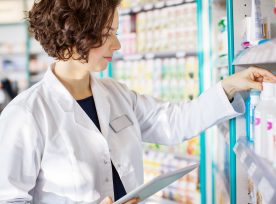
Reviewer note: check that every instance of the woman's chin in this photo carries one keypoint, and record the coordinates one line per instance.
(99, 69)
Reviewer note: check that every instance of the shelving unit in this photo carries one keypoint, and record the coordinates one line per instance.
(261, 171)
(224, 183)
(153, 6)
(30, 71)
(155, 55)
(246, 166)
(13, 53)
(136, 60)
(263, 55)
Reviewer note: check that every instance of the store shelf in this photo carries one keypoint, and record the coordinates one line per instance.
(153, 6)
(12, 54)
(222, 178)
(222, 62)
(261, 172)
(155, 200)
(20, 23)
(155, 55)
(178, 156)
(263, 55)
(224, 132)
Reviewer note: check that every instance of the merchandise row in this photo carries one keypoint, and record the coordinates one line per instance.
(261, 121)
(170, 79)
(262, 182)
(185, 190)
(168, 29)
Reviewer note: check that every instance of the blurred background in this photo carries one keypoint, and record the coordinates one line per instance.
(173, 50)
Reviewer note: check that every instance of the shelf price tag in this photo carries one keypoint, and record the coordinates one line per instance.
(180, 54)
(173, 2)
(148, 7)
(252, 169)
(136, 9)
(160, 4)
(149, 55)
(243, 156)
(266, 190)
(124, 11)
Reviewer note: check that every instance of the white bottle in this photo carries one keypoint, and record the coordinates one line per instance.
(262, 109)
(271, 130)
(252, 102)
(256, 22)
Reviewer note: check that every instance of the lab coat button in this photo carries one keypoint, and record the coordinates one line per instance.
(105, 162)
(106, 180)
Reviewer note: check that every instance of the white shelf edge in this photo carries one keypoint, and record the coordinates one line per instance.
(258, 55)
(156, 55)
(226, 183)
(260, 171)
(153, 6)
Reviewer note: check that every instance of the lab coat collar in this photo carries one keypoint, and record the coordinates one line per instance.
(70, 105)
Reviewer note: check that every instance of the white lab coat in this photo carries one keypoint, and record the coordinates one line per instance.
(52, 153)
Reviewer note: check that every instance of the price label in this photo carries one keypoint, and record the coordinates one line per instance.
(148, 7)
(243, 156)
(266, 190)
(180, 54)
(252, 169)
(136, 9)
(160, 4)
(149, 55)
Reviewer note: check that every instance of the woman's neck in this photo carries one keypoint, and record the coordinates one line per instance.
(74, 77)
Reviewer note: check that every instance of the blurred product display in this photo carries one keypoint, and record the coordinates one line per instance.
(161, 56)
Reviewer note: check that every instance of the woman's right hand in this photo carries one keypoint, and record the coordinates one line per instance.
(108, 200)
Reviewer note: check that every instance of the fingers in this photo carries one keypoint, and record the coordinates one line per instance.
(107, 200)
(264, 74)
(133, 201)
(256, 85)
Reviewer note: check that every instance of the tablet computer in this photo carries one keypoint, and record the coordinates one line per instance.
(148, 189)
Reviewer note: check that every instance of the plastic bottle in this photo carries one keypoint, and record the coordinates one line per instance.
(256, 22)
(264, 107)
(271, 130)
(251, 103)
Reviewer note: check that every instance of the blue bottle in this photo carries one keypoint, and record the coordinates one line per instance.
(251, 103)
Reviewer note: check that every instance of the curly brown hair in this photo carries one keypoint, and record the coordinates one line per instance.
(66, 26)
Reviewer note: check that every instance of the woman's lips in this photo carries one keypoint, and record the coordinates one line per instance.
(108, 59)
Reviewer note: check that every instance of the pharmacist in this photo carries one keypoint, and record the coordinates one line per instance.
(73, 138)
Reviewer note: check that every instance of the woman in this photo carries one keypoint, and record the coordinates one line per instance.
(72, 138)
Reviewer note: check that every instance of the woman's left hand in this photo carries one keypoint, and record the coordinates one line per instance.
(250, 78)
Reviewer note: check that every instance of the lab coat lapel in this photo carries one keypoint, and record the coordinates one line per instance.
(102, 105)
(67, 102)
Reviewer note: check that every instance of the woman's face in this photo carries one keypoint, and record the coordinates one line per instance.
(99, 57)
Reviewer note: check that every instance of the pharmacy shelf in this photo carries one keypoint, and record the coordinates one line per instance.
(20, 23)
(155, 55)
(261, 172)
(191, 158)
(263, 55)
(224, 132)
(12, 54)
(155, 200)
(222, 178)
(153, 6)
(222, 62)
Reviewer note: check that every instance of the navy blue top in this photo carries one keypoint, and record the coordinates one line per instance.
(88, 105)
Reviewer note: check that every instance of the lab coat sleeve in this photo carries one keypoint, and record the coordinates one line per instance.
(172, 123)
(20, 154)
